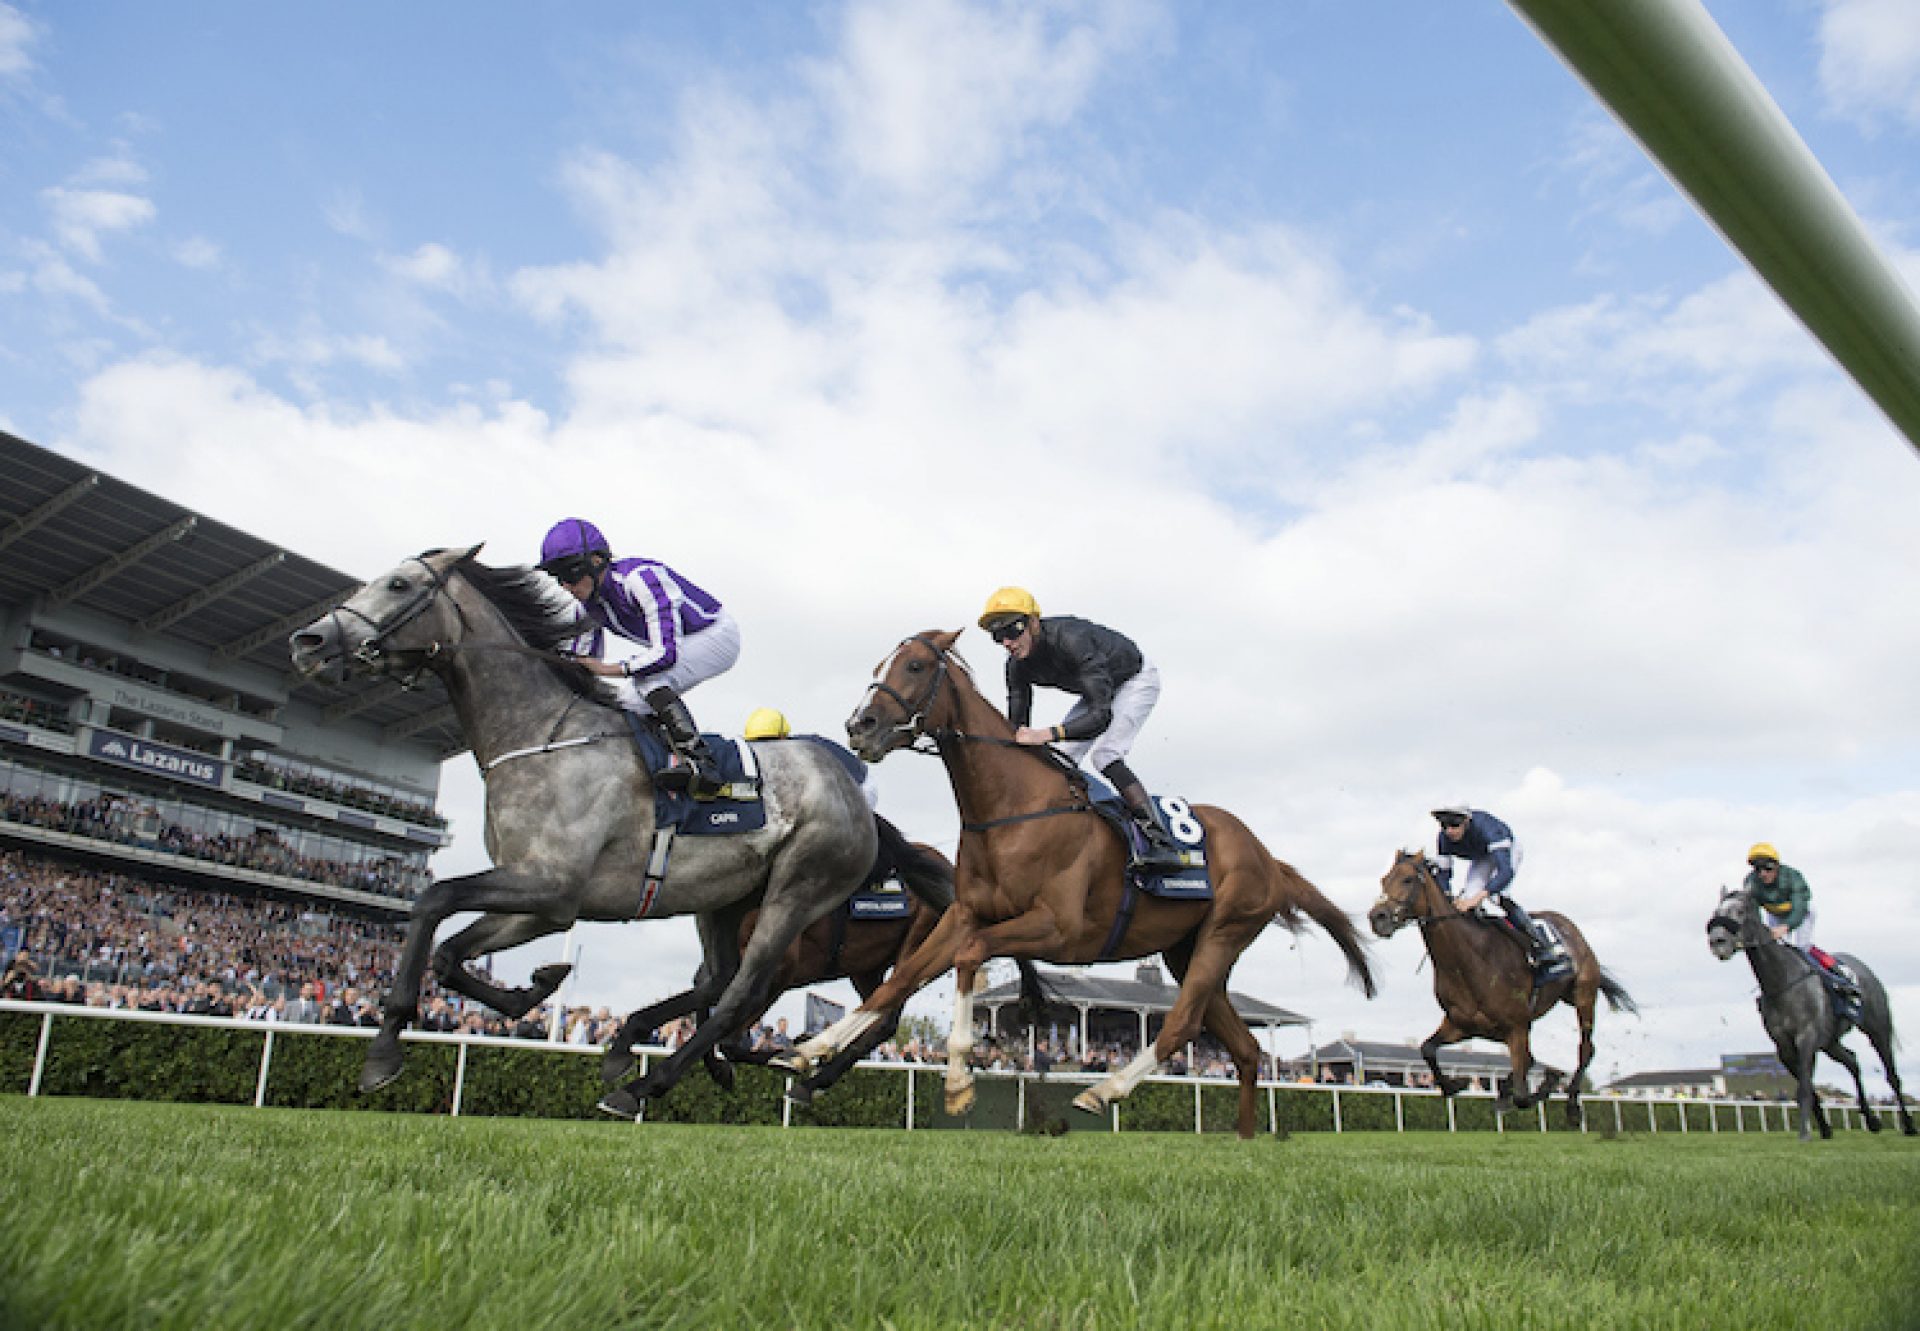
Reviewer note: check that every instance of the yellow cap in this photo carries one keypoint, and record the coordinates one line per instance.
(768, 723)
(1762, 851)
(1008, 602)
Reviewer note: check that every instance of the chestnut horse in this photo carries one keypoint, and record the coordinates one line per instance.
(1040, 877)
(1484, 982)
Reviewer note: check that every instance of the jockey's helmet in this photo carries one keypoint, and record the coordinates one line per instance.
(570, 538)
(1460, 809)
(1762, 852)
(1009, 603)
(767, 723)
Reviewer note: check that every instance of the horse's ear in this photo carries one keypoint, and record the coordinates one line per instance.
(474, 551)
(946, 640)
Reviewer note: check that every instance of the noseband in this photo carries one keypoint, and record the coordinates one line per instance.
(1401, 908)
(373, 650)
(914, 726)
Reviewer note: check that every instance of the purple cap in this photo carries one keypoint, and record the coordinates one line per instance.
(573, 536)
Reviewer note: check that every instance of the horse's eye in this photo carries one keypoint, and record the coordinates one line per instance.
(915, 667)
(397, 584)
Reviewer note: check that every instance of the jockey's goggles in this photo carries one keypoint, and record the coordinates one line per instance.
(571, 569)
(1008, 629)
(1451, 820)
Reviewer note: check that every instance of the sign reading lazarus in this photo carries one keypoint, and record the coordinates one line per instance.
(183, 764)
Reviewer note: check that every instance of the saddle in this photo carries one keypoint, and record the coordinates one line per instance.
(736, 807)
(1843, 986)
(1191, 882)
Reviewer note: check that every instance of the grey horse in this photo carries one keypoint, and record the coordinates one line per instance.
(569, 811)
(1798, 1013)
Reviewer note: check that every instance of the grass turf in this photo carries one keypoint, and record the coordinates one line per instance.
(160, 1216)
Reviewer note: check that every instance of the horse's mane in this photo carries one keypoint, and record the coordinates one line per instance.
(539, 612)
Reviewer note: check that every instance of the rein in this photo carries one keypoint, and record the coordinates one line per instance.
(914, 726)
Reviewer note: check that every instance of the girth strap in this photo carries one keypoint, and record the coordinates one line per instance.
(1123, 917)
(656, 870)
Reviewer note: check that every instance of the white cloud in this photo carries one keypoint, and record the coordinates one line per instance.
(17, 34)
(81, 216)
(436, 267)
(1870, 58)
(928, 100)
(196, 252)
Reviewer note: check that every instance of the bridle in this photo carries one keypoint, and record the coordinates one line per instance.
(373, 651)
(1400, 907)
(914, 726)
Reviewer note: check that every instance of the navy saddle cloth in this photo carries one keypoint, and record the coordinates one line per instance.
(1194, 882)
(886, 900)
(738, 808)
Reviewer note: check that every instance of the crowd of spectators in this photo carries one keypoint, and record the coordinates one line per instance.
(33, 712)
(333, 789)
(125, 821)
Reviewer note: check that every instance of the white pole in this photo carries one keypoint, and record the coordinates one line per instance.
(266, 1061)
(569, 953)
(40, 1055)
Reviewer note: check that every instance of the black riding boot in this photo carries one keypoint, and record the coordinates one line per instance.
(1160, 853)
(1545, 955)
(697, 774)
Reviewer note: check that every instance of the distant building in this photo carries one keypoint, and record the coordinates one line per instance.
(150, 719)
(1697, 1082)
(1088, 1009)
(1358, 1062)
(1739, 1077)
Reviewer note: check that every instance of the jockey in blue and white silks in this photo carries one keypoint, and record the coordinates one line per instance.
(1493, 856)
(650, 630)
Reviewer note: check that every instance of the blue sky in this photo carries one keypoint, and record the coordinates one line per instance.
(1347, 356)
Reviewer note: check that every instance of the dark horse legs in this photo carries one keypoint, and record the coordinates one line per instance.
(503, 890)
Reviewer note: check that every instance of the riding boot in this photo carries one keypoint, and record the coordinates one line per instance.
(1544, 954)
(1842, 982)
(1160, 853)
(697, 773)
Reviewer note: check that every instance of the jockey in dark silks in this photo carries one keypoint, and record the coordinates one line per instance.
(1786, 905)
(679, 635)
(1493, 856)
(1116, 686)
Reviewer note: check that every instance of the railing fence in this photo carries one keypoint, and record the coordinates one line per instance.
(1721, 1115)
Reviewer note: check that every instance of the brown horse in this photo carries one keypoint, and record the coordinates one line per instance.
(844, 946)
(1484, 983)
(1041, 877)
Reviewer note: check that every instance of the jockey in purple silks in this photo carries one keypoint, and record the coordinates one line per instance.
(680, 635)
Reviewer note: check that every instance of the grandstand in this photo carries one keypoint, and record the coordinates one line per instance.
(151, 725)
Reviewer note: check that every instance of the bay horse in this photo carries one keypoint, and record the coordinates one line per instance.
(1040, 876)
(569, 809)
(841, 945)
(1483, 979)
(1798, 1013)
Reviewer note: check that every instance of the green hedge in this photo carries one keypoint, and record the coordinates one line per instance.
(1425, 1113)
(1304, 1111)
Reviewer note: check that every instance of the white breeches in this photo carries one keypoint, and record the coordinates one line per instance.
(1132, 704)
(712, 651)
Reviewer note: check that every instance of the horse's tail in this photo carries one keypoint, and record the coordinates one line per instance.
(926, 874)
(1034, 996)
(1617, 996)
(1297, 896)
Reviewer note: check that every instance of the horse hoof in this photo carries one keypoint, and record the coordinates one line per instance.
(616, 1063)
(380, 1069)
(1873, 1123)
(1090, 1102)
(549, 978)
(800, 1094)
(959, 1102)
(721, 1071)
(620, 1104)
(793, 1061)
